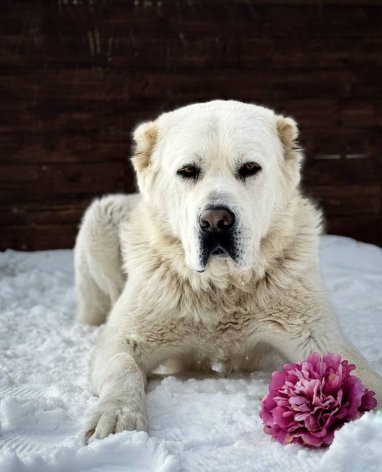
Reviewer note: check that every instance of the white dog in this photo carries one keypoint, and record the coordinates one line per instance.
(215, 260)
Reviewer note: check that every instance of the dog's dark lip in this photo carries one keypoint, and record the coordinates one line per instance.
(219, 251)
(217, 246)
(213, 246)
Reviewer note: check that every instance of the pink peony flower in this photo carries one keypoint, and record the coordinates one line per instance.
(309, 400)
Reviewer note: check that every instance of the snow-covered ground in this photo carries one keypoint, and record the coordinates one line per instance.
(196, 424)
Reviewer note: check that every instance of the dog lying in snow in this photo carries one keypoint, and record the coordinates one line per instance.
(214, 261)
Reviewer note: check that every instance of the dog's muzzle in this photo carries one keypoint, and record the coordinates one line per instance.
(217, 225)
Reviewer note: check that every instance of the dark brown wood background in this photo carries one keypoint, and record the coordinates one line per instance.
(77, 76)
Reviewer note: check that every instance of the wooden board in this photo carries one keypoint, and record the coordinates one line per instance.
(77, 77)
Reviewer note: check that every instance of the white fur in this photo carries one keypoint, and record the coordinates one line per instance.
(139, 256)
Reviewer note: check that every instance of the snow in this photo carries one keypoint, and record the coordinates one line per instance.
(196, 424)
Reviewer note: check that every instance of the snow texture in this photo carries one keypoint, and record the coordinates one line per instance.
(196, 424)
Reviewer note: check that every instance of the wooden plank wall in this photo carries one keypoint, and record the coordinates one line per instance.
(76, 76)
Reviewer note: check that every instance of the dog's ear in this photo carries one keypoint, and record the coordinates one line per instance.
(145, 137)
(287, 131)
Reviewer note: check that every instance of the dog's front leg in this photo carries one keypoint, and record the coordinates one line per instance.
(119, 382)
(132, 344)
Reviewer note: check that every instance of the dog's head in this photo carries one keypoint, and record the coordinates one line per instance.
(217, 174)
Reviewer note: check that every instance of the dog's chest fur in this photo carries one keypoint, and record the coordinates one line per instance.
(223, 326)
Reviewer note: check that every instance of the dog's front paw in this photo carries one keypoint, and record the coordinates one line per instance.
(114, 417)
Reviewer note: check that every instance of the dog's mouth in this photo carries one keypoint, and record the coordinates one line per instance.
(216, 246)
(219, 251)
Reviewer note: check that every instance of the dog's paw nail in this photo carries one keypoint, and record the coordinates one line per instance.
(111, 418)
(89, 436)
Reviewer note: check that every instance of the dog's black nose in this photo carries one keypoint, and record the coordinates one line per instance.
(216, 220)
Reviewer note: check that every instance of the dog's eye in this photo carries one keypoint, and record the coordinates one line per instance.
(189, 172)
(248, 169)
